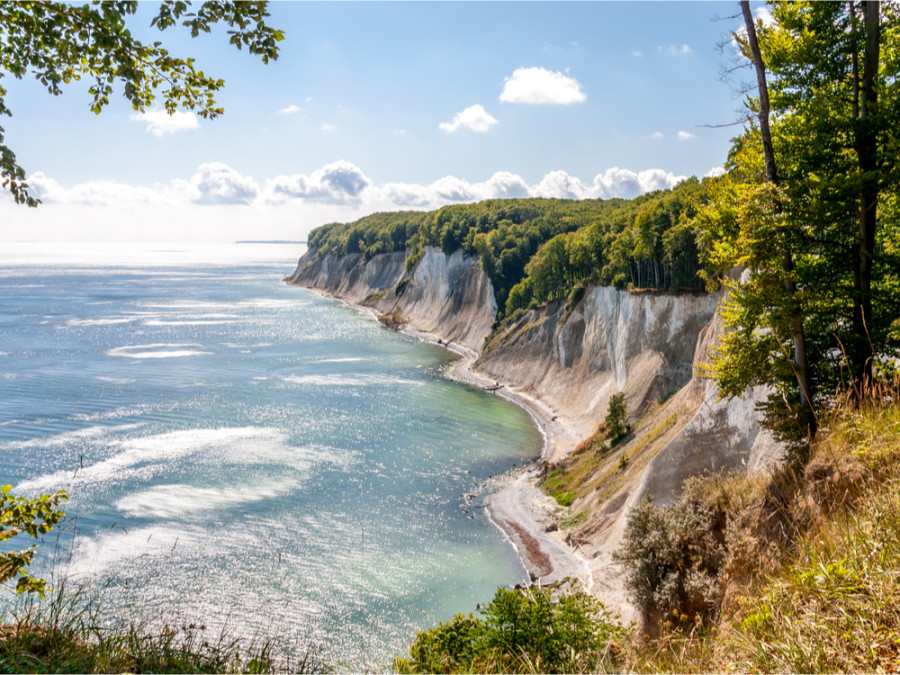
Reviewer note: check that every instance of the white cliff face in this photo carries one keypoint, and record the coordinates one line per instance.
(449, 296)
(613, 341)
(573, 359)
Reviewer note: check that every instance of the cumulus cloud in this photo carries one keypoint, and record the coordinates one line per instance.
(560, 185)
(327, 126)
(764, 16)
(342, 185)
(451, 190)
(217, 183)
(337, 183)
(656, 135)
(715, 172)
(160, 123)
(539, 85)
(290, 110)
(92, 193)
(475, 117)
(616, 182)
(685, 136)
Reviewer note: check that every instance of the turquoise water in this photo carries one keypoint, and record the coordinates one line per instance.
(245, 454)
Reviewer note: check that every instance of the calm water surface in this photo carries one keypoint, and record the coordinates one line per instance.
(245, 454)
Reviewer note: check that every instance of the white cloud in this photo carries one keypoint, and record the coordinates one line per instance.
(220, 203)
(675, 50)
(764, 15)
(92, 193)
(560, 185)
(715, 172)
(291, 109)
(539, 85)
(159, 122)
(637, 54)
(685, 136)
(616, 182)
(656, 135)
(217, 183)
(342, 183)
(327, 126)
(337, 183)
(475, 117)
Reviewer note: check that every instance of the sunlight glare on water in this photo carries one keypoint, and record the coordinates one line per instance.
(245, 454)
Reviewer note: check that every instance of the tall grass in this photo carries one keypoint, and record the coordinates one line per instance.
(812, 580)
(68, 632)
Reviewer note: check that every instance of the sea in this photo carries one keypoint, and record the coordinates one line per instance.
(245, 455)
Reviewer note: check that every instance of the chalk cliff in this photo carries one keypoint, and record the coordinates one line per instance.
(449, 296)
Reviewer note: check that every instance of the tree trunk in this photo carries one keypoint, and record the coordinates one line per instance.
(866, 144)
(787, 263)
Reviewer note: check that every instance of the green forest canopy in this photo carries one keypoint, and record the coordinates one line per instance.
(538, 250)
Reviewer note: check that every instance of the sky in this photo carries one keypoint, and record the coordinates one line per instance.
(376, 106)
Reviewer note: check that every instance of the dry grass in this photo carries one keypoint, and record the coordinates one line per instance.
(812, 580)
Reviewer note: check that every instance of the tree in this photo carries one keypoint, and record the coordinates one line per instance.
(801, 210)
(616, 418)
(34, 517)
(59, 43)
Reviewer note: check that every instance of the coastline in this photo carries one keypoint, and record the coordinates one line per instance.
(519, 510)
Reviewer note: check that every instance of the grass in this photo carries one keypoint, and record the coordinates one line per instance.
(812, 583)
(67, 633)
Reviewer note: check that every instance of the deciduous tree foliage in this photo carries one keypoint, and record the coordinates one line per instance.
(58, 43)
(539, 250)
(813, 218)
(32, 517)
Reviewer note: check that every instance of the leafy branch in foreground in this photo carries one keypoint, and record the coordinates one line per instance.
(34, 517)
(59, 43)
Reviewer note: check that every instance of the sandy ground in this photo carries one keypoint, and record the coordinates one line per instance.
(519, 509)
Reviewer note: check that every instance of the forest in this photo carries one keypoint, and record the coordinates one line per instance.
(538, 250)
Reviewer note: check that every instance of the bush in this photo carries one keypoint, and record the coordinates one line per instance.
(34, 517)
(673, 556)
(522, 631)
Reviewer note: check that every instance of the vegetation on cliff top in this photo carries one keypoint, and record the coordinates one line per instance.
(537, 250)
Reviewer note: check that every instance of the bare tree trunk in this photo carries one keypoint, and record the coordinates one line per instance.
(866, 145)
(787, 262)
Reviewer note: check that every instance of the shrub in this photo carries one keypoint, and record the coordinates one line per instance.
(522, 630)
(564, 498)
(34, 517)
(673, 555)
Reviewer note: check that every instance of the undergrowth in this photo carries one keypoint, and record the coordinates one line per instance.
(530, 630)
(810, 578)
(66, 633)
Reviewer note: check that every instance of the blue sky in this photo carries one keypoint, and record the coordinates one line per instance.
(385, 106)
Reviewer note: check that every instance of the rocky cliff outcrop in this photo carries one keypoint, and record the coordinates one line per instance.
(449, 296)
(576, 358)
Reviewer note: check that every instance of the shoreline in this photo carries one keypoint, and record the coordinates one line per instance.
(520, 510)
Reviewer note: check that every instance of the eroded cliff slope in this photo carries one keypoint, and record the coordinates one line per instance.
(449, 296)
